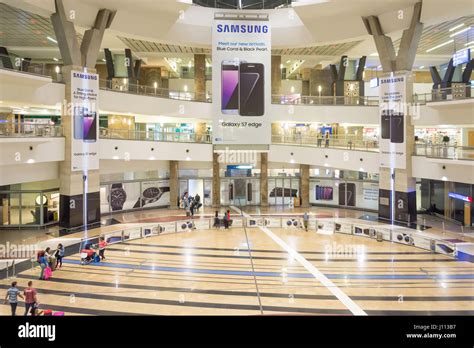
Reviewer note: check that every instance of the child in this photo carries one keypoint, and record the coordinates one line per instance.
(102, 246)
(59, 255)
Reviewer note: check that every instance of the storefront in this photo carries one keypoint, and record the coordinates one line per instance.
(449, 200)
(29, 208)
(349, 189)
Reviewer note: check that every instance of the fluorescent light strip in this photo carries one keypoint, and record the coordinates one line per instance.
(441, 45)
(51, 39)
(460, 32)
(469, 43)
(456, 27)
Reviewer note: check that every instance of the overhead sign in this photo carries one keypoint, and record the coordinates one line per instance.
(84, 121)
(462, 56)
(455, 195)
(393, 118)
(241, 75)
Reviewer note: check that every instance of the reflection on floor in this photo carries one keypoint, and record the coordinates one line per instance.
(253, 271)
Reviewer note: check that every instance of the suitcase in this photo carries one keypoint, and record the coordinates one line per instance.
(47, 273)
(48, 312)
(58, 314)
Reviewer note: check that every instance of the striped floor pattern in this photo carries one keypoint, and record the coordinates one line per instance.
(245, 272)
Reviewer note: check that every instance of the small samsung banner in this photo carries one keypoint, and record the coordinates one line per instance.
(84, 121)
(393, 118)
(241, 75)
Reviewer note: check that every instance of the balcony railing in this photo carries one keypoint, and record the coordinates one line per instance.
(30, 66)
(154, 92)
(125, 134)
(15, 129)
(340, 142)
(445, 94)
(452, 152)
(325, 100)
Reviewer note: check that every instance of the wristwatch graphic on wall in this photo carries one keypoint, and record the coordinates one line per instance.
(118, 196)
(150, 195)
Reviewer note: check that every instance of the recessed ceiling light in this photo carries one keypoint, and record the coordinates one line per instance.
(440, 45)
(456, 27)
(56, 59)
(421, 67)
(375, 54)
(460, 32)
(51, 39)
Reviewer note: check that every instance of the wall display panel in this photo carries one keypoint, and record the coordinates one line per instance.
(123, 196)
(154, 194)
(326, 227)
(324, 191)
(342, 227)
(273, 222)
(104, 199)
(133, 233)
(167, 227)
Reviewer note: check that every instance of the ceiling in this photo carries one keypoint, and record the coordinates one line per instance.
(170, 28)
(434, 35)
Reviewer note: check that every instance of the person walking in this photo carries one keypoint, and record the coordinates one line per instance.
(30, 298)
(305, 221)
(326, 144)
(43, 263)
(12, 297)
(320, 139)
(102, 246)
(216, 220)
(226, 221)
(59, 255)
(197, 201)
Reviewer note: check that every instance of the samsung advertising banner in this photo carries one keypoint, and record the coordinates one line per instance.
(241, 78)
(393, 118)
(84, 122)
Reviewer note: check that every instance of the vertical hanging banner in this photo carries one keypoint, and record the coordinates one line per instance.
(84, 121)
(393, 118)
(241, 79)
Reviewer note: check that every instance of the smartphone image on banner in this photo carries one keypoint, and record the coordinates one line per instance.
(230, 87)
(385, 124)
(251, 89)
(85, 125)
(396, 128)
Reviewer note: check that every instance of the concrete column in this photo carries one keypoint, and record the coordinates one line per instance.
(71, 183)
(276, 75)
(82, 58)
(150, 76)
(321, 78)
(174, 184)
(264, 179)
(448, 202)
(200, 76)
(304, 174)
(397, 187)
(201, 131)
(216, 181)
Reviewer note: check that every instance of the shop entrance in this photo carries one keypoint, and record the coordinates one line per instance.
(240, 191)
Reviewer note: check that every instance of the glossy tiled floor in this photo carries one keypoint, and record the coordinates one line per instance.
(257, 271)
